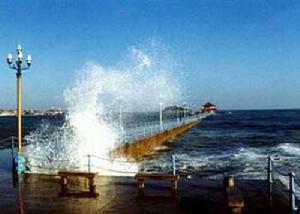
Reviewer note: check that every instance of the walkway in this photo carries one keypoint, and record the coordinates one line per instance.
(120, 195)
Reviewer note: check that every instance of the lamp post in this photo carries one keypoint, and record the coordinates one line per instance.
(184, 111)
(120, 115)
(19, 68)
(161, 115)
(177, 115)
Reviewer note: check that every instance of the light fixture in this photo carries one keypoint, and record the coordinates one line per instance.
(29, 60)
(9, 59)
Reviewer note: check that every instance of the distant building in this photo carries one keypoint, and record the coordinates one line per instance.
(209, 108)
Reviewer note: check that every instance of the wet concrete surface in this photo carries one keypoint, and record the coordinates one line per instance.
(40, 194)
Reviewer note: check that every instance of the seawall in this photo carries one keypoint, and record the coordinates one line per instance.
(137, 149)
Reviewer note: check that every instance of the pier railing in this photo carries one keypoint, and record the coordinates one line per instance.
(91, 163)
(137, 131)
(11, 142)
(132, 132)
(293, 183)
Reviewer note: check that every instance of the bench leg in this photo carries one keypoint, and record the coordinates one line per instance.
(141, 184)
(92, 187)
(174, 185)
(63, 184)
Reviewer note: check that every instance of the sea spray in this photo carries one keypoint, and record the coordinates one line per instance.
(89, 129)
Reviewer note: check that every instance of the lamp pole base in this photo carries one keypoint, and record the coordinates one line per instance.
(19, 163)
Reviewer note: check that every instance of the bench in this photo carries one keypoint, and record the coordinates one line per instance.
(142, 177)
(64, 175)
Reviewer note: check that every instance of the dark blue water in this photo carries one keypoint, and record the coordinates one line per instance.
(236, 142)
(30, 123)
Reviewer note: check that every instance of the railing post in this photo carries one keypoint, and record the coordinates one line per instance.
(173, 165)
(270, 180)
(89, 163)
(293, 207)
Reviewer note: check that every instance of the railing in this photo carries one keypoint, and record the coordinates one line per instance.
(291, 187)
(11, 142)
(131, 133)
(92, 164)
(141, 130)
(8, 142)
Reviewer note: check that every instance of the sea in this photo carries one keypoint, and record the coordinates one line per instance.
(234, 142)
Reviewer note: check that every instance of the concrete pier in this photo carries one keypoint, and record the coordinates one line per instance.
(137, 149)
(40, 194)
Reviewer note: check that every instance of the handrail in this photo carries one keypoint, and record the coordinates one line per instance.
(278, 171)
(112, 170)
(135, 132)
(8, 139)
(45, 158)
(292, 181)
(50, 168)
(297, 182)
(111, 160)
(91, 165)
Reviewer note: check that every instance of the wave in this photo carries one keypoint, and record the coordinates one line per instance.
(289, 148)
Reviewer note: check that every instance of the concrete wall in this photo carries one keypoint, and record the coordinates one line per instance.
(137, 149)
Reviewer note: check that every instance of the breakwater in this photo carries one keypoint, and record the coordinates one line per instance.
(138, 148)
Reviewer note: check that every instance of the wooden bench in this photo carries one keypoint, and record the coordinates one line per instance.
(64, 175)
(142, 177)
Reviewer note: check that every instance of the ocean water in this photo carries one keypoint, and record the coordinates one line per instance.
(233, 142)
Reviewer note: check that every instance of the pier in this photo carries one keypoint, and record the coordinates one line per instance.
(147, 138)
(40, 193)
(98, 193)
(133, 142)
(193, 195)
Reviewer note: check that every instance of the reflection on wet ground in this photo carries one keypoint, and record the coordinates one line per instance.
(40, 194)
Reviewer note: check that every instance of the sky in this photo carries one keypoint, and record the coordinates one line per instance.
(240, 54)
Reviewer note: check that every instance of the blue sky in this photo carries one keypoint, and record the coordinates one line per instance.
(240, 54)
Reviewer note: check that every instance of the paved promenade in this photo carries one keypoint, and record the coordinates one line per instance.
(40, 194)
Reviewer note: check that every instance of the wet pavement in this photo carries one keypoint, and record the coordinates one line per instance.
(40, 194)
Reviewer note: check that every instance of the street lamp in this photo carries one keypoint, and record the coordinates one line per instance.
(120, 115)
(177, 114)
(161, 115)
(19, 68)
(184, 111)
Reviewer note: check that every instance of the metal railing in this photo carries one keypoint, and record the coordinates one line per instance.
(11, 142)
(8, 142)
(138, 131)
(131, 133)
(291, 187)
(92, 164)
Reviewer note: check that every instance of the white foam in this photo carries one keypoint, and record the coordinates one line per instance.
(96, 92)
(249, 154)
(289, 148)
